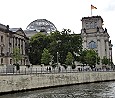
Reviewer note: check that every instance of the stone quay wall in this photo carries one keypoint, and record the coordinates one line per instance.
(11, 83)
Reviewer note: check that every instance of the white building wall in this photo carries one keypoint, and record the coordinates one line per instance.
(98, 35)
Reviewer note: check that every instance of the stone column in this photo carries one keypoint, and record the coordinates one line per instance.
(11, 45)
(102, 47)
(98, 47)
(24, 47)
(21, 43)
(107, 48)
(110, 53)
(20, 47)
(18, 42)
(15, 41)
(111, 58)
(5, 44)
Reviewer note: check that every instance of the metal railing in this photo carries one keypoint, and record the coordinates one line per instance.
(25, 71)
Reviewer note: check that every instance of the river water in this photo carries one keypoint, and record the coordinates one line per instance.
(91, 90)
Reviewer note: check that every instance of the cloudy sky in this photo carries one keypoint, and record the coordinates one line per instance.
(63, 13)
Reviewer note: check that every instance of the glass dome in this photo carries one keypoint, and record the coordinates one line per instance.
(41, 25)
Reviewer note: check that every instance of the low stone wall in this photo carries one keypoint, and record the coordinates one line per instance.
(10, 83)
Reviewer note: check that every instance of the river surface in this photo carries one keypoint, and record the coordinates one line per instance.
(91, 90)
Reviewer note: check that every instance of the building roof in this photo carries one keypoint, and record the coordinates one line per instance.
(30, 31)
(14, 29)
(3, 27)
(6, 29)
(92, 17)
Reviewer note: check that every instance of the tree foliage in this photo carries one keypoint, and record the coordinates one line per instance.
(69, 59)
(61, 42)
(46, 57)
(89, 57)
(105, 61)
(36, 45)
(16, 55)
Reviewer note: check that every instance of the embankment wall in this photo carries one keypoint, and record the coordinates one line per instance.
(9, 83)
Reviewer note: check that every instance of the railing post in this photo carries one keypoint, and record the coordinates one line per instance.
(13, 70)
(36, 70)
(6, 70)
(31, 70)
(25, 71)
(41, 69)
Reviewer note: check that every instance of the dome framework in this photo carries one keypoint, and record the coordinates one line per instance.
(42, 25)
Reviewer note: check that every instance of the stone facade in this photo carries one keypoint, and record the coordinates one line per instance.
(11, 38)
(96, 37)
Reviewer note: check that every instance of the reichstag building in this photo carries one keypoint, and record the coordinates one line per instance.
(93, 34)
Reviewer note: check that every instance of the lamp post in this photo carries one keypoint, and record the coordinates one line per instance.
(57, 51)
(57, 58)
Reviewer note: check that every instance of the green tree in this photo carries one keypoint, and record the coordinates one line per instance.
(89, 57)
(36, 45)
(105, 61)
(53, 45)
(69, 59)
(82, 57)
(61, 42)
(46, 57)
(16, 55)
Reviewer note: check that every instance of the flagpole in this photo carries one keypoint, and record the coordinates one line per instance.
(92, 7)
(91, 11)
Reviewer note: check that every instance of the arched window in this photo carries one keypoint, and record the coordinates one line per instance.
(87, 25)
(92, 45)
(91, 25)
(95, 24)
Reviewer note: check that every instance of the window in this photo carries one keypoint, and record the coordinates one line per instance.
(91, 25)
(10, 61)
(1, 38)
(9, 50)
(87, 25)
(95, 24)
(1, 60)
(92, 45)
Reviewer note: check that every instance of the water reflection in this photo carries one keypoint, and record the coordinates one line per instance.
(92, 90)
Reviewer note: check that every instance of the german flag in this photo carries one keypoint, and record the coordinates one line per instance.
(93, 7)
